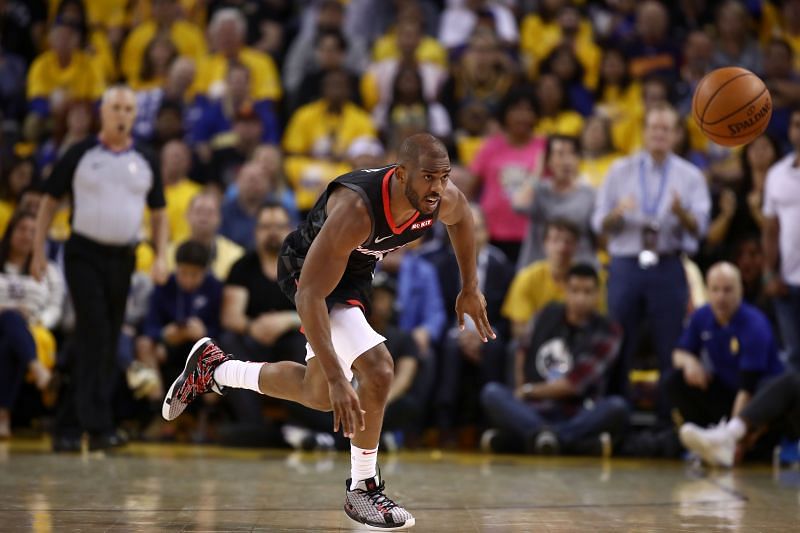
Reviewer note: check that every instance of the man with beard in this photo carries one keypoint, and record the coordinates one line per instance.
(326, 268)
(261, 323)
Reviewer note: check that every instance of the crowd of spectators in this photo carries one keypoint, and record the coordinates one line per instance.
(600, 208)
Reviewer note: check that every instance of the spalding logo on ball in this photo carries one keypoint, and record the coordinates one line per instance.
(732, 106)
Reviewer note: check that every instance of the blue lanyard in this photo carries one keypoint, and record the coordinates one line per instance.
(652, 209)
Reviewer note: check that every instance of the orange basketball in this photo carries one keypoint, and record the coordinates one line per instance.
(732, 106)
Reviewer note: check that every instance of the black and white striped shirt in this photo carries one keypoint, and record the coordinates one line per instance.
(109, 190)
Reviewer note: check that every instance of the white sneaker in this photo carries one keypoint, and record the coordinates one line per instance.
(715, 445)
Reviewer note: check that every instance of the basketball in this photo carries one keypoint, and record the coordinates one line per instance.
(732, 106)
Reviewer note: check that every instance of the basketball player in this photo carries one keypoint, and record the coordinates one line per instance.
(326, 268)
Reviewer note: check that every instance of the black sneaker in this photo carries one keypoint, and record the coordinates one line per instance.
(197, 378)
(368, 505)
(105, 441)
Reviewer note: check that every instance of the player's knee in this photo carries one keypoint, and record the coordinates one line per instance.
(378, 374)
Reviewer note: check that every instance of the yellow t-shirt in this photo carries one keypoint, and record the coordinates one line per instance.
(102, 55)
(226, 253)
(467, 148)
(265, 82)
(309, 177)
(565, 123)
(186, 37)
(594, 171)
(538, 38)
(313, 130)
(6, 212)
(178, 197)
(532, 288)
(625, 110)
(81, 78)
(428, 51)
(103, 13)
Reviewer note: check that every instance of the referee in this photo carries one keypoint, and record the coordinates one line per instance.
(110, 180)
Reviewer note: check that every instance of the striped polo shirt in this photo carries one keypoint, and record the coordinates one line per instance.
(109, 190)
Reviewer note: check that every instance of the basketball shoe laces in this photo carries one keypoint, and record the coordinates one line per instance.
(378, 498)
(201, 380)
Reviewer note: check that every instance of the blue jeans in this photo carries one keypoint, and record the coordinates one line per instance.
(17, 351)
(658, 297)
(787, 309)
(506, 412)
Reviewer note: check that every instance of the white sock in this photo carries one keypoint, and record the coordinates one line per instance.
(363, 464)
(239, 375)
(737, 428)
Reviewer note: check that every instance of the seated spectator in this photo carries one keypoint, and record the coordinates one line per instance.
(159, 55)
(598, 151)
(775, 408)
(472, 129)
(390, 45)
(29, 310)
(783, 83)
(18, 176)
(504, 163)
(169, 126)
(260, 323)
(618, 96)
(330, 53)
(218, 115)
(651, 50)
(536, 285)
(176, 160)
(484, 73)
(270, 157)
(328, 18)
(726, 350)
(736, 207)
(459, 20)
(558, 403)
(735, 44)
(562, 197)
(204, 217)
(408, 109)
(318, 137)
(239, 213)
(164, 23)
(558, 23)
(563, 62)
(698, 50)
(60, 74)
(555, 113)
(748, 256)
(227, 33)
(70, 127)
(467, 364)
(181, 312)
(372, 19)
(176, 91)
(378, 81)
(403, 406)
(93, 40)
(233, 152)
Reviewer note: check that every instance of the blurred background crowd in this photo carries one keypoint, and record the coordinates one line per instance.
(613, 324)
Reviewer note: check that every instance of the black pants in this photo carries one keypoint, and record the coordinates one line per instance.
(701, 407)
(98, 277)
(776, 406)
(17, 352)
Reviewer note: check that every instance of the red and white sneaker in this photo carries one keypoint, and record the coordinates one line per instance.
(197, 378)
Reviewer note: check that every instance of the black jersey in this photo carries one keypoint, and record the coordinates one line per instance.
(386, 235)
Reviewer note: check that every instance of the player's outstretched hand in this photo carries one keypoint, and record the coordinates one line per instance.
(346, 408)
(472, 302)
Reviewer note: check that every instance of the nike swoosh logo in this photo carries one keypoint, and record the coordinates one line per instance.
(368, 453)
(381, 239)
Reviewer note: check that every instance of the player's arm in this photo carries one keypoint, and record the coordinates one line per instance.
(348, 225)
(456, 215)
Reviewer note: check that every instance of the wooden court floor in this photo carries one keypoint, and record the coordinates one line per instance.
(185, 488)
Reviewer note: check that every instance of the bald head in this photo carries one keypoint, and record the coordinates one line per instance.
(117, 113)
(418, 146)
(423, 170)
(724, 283)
